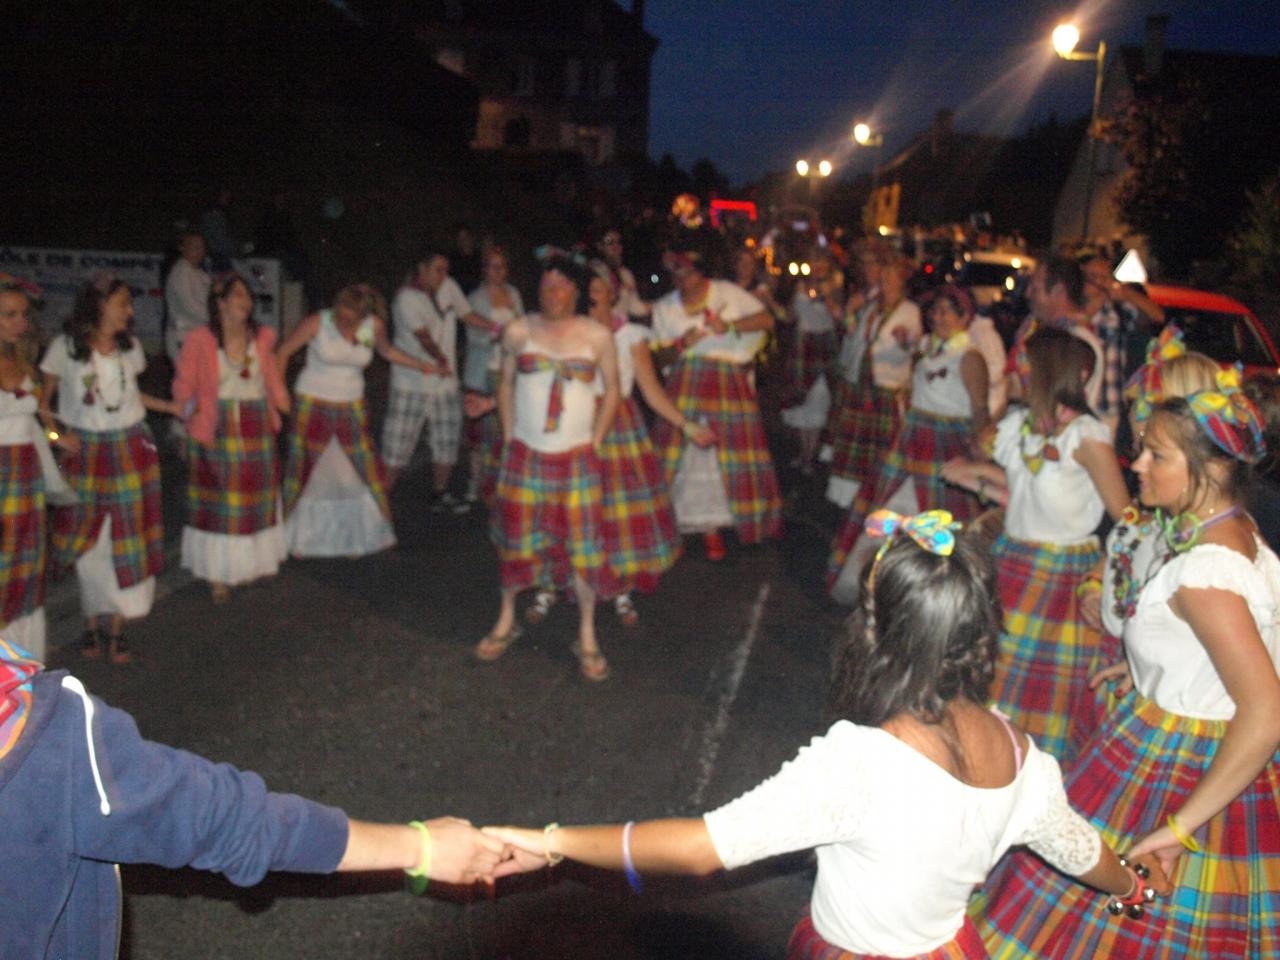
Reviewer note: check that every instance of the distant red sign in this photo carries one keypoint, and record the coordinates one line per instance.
(734, 206)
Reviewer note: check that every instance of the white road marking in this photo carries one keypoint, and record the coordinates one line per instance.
(716, 729)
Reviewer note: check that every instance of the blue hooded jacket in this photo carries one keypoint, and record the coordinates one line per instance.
(81, 791)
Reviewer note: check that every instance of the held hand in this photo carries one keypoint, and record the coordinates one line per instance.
(524, 849)
(1159, 879)
(901, 335)
(68, 443)
(1164, 848)
(476, 405)
(959, 472)
(1089, 608)
(702, 435)
(716, 325)
(285, 407)
(460, 853)
(1119, 672)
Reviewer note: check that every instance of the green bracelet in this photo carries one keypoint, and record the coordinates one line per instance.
(418, 876)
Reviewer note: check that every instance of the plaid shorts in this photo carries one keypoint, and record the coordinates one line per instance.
(408, 411)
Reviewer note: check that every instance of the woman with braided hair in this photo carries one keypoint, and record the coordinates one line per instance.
(909, 798)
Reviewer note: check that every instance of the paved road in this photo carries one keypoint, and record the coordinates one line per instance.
(351, 682)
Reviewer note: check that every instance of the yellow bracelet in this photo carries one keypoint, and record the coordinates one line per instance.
(1184, 838)
(547, 831)
(424, 863)
(1089, 585)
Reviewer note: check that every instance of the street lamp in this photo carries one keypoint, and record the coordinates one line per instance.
(824, 168)
(863, 136)
(802, 167)
(1065, 38)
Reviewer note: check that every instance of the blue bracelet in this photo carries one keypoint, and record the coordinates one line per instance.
(633, 878)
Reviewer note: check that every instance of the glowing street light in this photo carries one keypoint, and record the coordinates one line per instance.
(864, 136)
(1065, 38)
(802, 167)
(824, 168)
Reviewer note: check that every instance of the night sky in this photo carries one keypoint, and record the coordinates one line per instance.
(757, 83)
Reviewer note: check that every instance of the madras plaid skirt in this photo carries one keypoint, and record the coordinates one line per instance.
(22, 532)
(1046, 653)
(807, 944)
(925, 443)
(546, 523)
(233, 484)
(116, 474)
(1140, 766)
(640, 538)
(315, 423)
(720, 393)
(811, 357)
(862, 427)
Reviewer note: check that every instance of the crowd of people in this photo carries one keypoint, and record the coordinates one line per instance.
(1008, 680)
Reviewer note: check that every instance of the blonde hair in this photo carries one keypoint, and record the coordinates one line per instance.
(1187, 374)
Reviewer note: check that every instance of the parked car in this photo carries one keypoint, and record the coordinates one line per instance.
(1217, 326)
(991, 275)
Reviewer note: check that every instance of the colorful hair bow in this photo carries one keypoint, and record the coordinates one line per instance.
(29, 287)
(933, 530)
(1229, 418)
(1146, 387)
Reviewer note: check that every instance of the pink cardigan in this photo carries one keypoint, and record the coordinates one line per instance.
(198, 378)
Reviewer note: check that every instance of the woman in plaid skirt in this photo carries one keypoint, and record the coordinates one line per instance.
(1057, 472)
(910, 796)
(817, 302)
(1188, 759)
(948, 419)
(228, 383)
(875, 363)
(114, 534)
(335, 490)
(25, 470)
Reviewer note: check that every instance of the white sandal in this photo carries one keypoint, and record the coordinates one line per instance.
(626, 610)
(541, 606)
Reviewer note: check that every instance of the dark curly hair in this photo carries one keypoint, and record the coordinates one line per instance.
(218, 291)
(86, 313)
(926, 634)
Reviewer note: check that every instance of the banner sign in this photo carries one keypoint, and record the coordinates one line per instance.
(60, 273)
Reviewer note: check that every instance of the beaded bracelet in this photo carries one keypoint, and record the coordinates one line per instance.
(629, 867)
(418, 876)
(1182, 836)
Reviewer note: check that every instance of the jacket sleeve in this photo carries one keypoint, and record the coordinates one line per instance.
(186, 381)
(175, 809)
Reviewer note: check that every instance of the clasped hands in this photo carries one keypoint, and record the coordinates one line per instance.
(466, 854)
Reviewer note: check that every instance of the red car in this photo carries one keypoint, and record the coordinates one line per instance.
(1218, 326)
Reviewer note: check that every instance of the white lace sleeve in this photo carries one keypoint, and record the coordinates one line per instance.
(1007, 436)
(1059, 834)
(814, 799)
(1083, 428)
(1212, 566)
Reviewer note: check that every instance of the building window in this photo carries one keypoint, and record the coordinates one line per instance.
(607, 82)
(452, 60)
(573, 77)
(523, 86)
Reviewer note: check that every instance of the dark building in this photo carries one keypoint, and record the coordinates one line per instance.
(569, 75)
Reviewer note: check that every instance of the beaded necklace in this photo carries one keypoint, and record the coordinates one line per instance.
(1048, 452)
(91, 381)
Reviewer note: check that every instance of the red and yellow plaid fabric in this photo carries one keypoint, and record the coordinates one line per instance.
(924, 445)
(862, 427)
(1046, 653)
(811, 357)
(719, 392)
(569, 369)
(116, 474)
(22, 532)
(233, 485)
(546, 522)
(1139, 767)
(640, 537)
(315, 423)
(807, 944)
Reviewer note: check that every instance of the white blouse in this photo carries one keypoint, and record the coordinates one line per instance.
(109, 384)
(1169, 663)
(730, 302)
(18, 415)
(625, 339)
(1059, 504)
(482, 347)
(233, 384)
(533, 395)
(901, 843)
(937, 386)
(811, 313)
(334, 370)
(890, 361)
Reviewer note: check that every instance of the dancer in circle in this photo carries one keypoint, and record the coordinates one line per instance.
(547, 522)
(1056, 472)
(908, 799)
(715, 329)
(227, 377)
(494, 304)
(114, 533)
(875, 360)
(26, 470)
(817, 302)
(948, 419)
(335, 490)
(1188, 759)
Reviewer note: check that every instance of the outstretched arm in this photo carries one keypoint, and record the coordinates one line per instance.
(656, 846)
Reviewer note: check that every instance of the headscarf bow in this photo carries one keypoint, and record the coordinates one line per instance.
(1146, 387)
(1229, 418)
(933, 530)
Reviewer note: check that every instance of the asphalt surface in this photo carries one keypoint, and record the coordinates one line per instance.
(351, 682)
